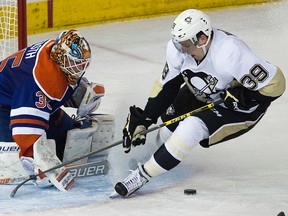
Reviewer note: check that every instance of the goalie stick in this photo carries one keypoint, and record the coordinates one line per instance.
(89, 169)
(169, 122)
(77, 171)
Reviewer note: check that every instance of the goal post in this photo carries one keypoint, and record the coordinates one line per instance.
(22, 24)
(13, 27)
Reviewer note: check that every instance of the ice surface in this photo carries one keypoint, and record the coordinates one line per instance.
(246, 176)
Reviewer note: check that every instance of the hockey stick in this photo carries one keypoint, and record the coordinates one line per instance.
(12, 180)
(169, 122)
(179, 118)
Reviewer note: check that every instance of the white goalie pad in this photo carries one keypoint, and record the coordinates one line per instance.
(99, 136)
(104, 135)
(11, 170)
(78, 143)
(82, 141)
(45, 158)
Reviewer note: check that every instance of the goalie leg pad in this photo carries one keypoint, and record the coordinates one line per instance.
(10, 167)
(81, 141)
(104, 135)
(78, 143)
(11, 170)
(45, 158)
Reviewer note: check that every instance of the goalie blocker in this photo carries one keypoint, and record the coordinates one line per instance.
(78, 143)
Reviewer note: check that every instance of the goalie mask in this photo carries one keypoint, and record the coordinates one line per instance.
(72, 53)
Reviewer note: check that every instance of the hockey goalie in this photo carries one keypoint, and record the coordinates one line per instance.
(36, 134)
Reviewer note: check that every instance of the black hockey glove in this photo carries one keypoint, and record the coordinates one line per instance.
(234, 99)
(135, 123)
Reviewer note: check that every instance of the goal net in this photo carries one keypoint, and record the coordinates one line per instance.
(9, 22)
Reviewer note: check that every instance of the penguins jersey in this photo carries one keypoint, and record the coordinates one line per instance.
(228, 61)
(33, 86)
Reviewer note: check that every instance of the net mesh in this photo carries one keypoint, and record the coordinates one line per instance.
(8, 28)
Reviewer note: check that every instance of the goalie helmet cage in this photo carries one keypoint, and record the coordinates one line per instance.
(13, 27)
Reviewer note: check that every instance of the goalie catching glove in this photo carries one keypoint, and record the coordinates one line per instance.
(87, 97)
(136, 123)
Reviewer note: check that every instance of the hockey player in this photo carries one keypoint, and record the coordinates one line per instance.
(212, 64)
(34, 83)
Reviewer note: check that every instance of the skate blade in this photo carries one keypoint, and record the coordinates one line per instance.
(114, 195)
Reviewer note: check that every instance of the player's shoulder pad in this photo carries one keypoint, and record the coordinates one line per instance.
(48, 75)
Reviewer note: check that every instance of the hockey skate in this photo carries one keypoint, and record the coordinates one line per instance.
(133, 182)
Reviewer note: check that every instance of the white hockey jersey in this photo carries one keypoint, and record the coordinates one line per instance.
(227, 59)
(229, 62)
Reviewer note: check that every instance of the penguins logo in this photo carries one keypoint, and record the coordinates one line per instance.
(202, 85)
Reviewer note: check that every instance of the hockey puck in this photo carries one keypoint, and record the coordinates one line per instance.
(190, 191)
(281, 214)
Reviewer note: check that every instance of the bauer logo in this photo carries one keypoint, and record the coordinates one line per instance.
(13, 148)
(89, 169)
